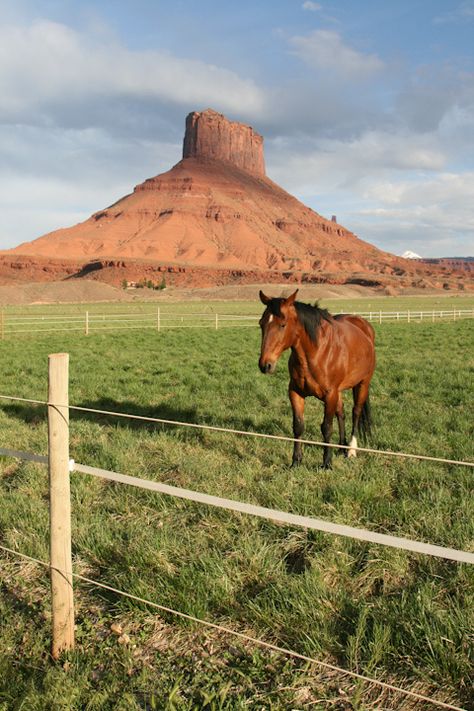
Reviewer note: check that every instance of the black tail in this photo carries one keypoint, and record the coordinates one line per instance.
(365, 421)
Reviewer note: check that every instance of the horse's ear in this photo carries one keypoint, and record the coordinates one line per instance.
(264, 299)
(291, 299)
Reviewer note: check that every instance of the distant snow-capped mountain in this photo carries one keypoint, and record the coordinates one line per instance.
(410, 255)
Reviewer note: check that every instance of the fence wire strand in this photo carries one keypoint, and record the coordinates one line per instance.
(241, 635)
(245, 433)
(191, 618)
(308, 522)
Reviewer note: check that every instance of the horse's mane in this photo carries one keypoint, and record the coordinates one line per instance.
(309, 316)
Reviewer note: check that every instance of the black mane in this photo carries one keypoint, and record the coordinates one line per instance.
(309, 316)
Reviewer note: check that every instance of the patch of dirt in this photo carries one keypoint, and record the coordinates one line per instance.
(89, 291)
(249, 292)
(80, 291)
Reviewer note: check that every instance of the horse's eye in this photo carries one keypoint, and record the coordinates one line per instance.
(282, 325)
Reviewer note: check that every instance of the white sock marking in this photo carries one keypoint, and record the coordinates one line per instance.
(352, 451)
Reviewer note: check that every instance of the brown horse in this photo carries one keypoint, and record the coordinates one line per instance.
(329, 354)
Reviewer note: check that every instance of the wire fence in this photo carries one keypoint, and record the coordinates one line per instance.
(245, 637)
(333, 528)
(245, 433)
(159, 319)
(290, 519)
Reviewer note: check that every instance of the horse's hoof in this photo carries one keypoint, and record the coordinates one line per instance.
(295, 463)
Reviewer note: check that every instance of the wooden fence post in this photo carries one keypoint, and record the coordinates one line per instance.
(2, 326)
(217, 321)
(87, 323)
(158, 320)
(60, 505)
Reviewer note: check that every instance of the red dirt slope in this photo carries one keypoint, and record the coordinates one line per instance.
(216, 213)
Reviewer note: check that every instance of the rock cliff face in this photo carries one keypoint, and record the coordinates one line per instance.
(214, 218)
(211, 213)
(210, 135)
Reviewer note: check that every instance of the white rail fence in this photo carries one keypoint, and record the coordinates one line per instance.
(158, 320)
(60, 466)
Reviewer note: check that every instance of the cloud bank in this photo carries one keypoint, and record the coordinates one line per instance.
(386, 148)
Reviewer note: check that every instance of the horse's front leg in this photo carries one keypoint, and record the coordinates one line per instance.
(297, 405)
(330, 407)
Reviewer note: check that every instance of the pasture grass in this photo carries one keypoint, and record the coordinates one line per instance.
(167, 304)
(400, 617)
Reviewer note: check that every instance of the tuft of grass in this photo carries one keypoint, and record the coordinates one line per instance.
(382, 612)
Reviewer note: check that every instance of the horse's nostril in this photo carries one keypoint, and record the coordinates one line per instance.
(265, 367)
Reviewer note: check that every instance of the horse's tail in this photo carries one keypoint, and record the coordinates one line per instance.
(365, 421)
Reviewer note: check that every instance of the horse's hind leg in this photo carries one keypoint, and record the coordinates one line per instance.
(341, 421)
(297, 405)
(361, 393)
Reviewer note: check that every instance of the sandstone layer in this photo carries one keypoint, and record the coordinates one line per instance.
(211, 213)
(19, 269)
(210, 135)
(216, 216)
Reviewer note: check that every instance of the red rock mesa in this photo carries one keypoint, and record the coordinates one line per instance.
(210, 135)
(216, 212)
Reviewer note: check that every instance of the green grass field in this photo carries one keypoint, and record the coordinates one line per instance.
(376, 303)
(403, 618)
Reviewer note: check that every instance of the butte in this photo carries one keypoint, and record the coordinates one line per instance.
(218, 215)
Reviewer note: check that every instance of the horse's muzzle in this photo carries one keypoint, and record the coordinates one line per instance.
(266, 367)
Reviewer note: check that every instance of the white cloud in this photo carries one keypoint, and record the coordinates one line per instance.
(56, 178)
(85, 119)
(325, 50)
(432, 214)
(433, 95)
(434, 193)
(391, 189)
(48, 66)
(311, 6)
(325, 164)
(33, 206)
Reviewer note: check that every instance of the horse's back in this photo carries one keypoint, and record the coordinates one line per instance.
(359, 322)
(341, 356)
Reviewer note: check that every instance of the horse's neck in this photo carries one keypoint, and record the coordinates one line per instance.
(305, 350)
(301, 347)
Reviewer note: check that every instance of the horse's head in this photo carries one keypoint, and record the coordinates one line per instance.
(278, 329)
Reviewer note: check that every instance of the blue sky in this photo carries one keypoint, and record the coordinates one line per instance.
(367, 108)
